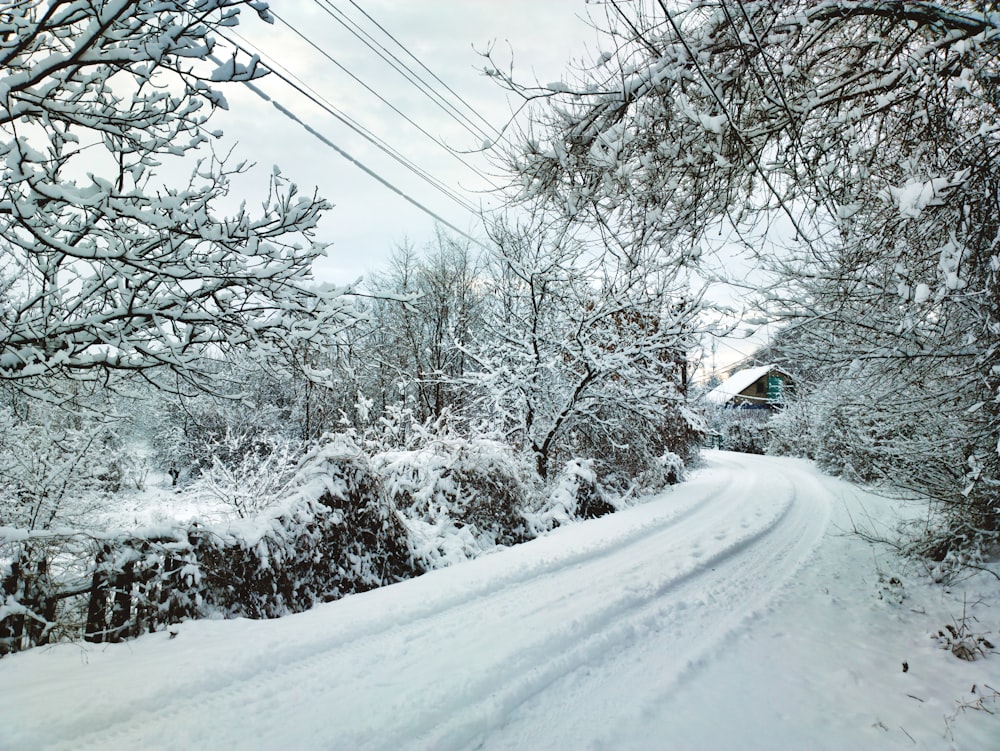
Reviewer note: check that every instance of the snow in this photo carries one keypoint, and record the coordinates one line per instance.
(916, 195)
(713, 124)
(736, 383)
(728, 613)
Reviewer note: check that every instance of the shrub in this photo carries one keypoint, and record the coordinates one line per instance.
(261, 478)
(459, 497)
(667, 469)
(790, 432)
(336, 534)
(747, 435)
(629, 451)
(575, 494)
(53, 468)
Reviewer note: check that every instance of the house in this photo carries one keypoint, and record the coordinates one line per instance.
(751, 388)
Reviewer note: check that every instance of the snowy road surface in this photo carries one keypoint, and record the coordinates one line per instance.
(592, 637)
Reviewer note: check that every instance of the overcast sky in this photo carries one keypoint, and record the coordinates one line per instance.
(540, 36)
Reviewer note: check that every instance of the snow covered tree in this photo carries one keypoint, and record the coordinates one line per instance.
(105, 269)
(427, 307)
(868, 131)
(56, 464)
(583, 352)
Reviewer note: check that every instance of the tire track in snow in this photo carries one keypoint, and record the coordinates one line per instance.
(102, 724)
(482, 651)
(681, 630)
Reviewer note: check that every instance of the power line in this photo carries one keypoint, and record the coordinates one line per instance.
(404, 70)
(421, 64)
(290, 79)
(451, 152)
(364, 168)
(306, 91)
(400, 67)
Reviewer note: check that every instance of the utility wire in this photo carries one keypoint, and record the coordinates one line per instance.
(451, 152)
(304, 90)
(432, 73)
(364, 168)
(414, 78)
(290, 79)
(404, 70)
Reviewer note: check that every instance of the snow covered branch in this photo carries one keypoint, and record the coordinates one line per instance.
(103, 269)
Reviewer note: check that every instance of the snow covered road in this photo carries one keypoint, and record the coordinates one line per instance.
(575, 640)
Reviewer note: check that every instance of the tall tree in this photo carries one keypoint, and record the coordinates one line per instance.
(583, 352)
(428, 311)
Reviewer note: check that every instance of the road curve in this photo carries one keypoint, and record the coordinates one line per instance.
(555, 643)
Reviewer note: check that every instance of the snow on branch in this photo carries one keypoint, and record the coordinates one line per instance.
(103, 269)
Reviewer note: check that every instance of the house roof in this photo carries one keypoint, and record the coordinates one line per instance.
(738, 381)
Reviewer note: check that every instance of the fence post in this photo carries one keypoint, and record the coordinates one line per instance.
(37, 598)
(12, 626)
(97, 617)
(49, 614)
(121, 608)
(26, 586)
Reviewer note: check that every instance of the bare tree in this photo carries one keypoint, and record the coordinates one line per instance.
(429, 310)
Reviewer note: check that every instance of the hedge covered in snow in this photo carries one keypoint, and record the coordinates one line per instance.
(337, 535)
(459, 497)
(348, 523)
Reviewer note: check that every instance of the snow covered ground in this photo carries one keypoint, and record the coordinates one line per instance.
(731, 612)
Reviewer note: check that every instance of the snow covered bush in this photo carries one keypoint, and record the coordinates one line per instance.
(575, 494)
(844, 436)
(344, 535)
(907, 438)
(334, 534)
(261, 478)
(666, 469)
(337, 534)
(744, 430)
(746, 435)
(636, 451)
(790, 432)
(962, 641)
(55, 465)
(459, 497)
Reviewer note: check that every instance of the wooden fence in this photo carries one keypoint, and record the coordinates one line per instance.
(72, 585)
(57, 586)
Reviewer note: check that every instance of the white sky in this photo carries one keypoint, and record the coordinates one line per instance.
(541, 38)
(369, 219)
